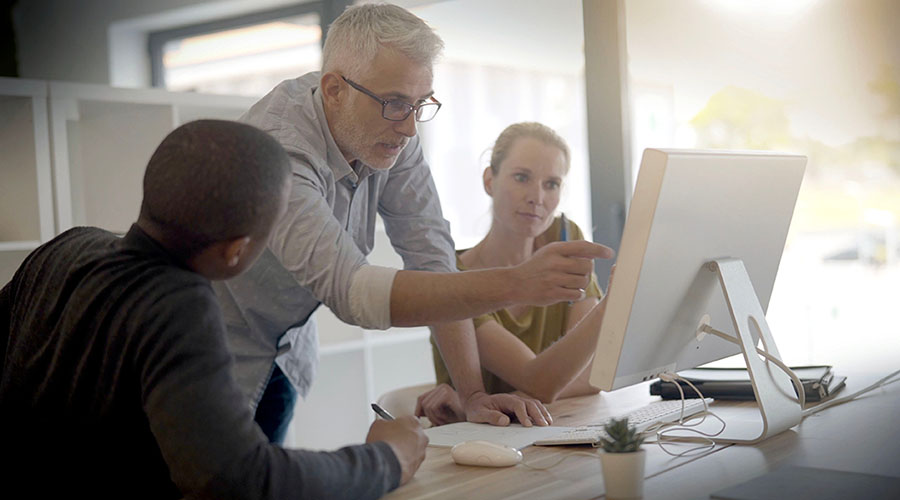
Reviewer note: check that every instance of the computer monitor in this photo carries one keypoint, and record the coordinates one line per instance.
(694, 218)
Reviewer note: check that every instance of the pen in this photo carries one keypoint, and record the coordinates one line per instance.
(563, 227)
(564, 231)
(381, 412)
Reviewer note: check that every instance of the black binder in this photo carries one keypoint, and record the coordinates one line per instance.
(819, 383)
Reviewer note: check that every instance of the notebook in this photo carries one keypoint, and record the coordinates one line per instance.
(819, 383)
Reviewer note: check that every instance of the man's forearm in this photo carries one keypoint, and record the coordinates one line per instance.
(425, 298)
(556, 272)
(459, 350)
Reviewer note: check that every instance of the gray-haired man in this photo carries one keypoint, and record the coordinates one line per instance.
(350, 132)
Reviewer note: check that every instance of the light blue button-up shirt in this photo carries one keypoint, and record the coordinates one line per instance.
(317, 251)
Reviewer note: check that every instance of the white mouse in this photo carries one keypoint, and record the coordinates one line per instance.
(485, 454)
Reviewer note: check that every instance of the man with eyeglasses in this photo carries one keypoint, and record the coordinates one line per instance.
(350, 131)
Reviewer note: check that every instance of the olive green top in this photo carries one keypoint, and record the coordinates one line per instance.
(539, 327)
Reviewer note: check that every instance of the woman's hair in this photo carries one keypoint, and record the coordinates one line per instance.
(354, 38)
(517, 131)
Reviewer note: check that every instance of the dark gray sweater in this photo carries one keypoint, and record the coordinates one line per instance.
(116, 382)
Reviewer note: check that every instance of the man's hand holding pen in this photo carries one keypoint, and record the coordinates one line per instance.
(406, 438)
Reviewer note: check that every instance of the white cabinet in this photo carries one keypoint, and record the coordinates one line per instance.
(74, 154)
(104, 137)
(26, 207)
(26, 203)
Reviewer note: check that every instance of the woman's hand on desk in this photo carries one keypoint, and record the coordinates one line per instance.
(442, 406)
(496, 409)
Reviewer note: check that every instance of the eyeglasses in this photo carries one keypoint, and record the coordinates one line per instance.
(397, 110)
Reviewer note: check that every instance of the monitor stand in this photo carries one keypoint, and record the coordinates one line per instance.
(779, 406)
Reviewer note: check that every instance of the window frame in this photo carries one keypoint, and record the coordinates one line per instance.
(327, 10)
(608, 112)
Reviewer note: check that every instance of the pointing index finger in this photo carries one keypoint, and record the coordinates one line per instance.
(586, 249)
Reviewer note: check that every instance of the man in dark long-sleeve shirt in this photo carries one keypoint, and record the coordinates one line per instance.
(116, 380)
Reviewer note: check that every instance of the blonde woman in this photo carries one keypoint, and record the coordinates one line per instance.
(544, 352)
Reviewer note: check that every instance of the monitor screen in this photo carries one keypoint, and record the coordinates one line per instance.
(690, 208)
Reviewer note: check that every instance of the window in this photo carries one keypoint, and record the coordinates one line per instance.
(248, 55)
(816, 78)
(505, 61)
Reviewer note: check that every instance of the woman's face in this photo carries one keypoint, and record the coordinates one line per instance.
(527, 185)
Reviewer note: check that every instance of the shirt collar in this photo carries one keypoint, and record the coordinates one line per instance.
(138, 239)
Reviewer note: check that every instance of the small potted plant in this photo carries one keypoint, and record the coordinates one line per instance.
(623, 460)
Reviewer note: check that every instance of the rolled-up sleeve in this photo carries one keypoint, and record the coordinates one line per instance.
(311, 244)
(370, 296)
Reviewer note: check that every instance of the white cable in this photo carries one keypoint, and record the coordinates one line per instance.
(674, 377)
(805, 411)
(798, 385)
(683, 426)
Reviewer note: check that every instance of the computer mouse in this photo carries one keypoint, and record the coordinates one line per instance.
(485, 454)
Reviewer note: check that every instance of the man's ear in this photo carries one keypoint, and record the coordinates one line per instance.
(233, 249)
(488, 177)
(333, 87)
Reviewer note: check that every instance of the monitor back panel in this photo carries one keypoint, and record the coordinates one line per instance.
(690, 208)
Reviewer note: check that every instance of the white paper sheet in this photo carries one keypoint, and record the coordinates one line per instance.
(513, 435)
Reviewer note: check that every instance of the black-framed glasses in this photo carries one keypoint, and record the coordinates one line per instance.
(397, 110)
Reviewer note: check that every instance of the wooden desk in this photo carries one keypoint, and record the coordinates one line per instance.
(860, 436)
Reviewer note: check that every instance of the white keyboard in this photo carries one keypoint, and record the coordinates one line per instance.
(657, 412)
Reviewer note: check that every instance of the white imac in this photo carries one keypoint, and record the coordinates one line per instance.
(701, 246)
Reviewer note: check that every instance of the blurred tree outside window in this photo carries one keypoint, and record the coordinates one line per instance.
(818, 78)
